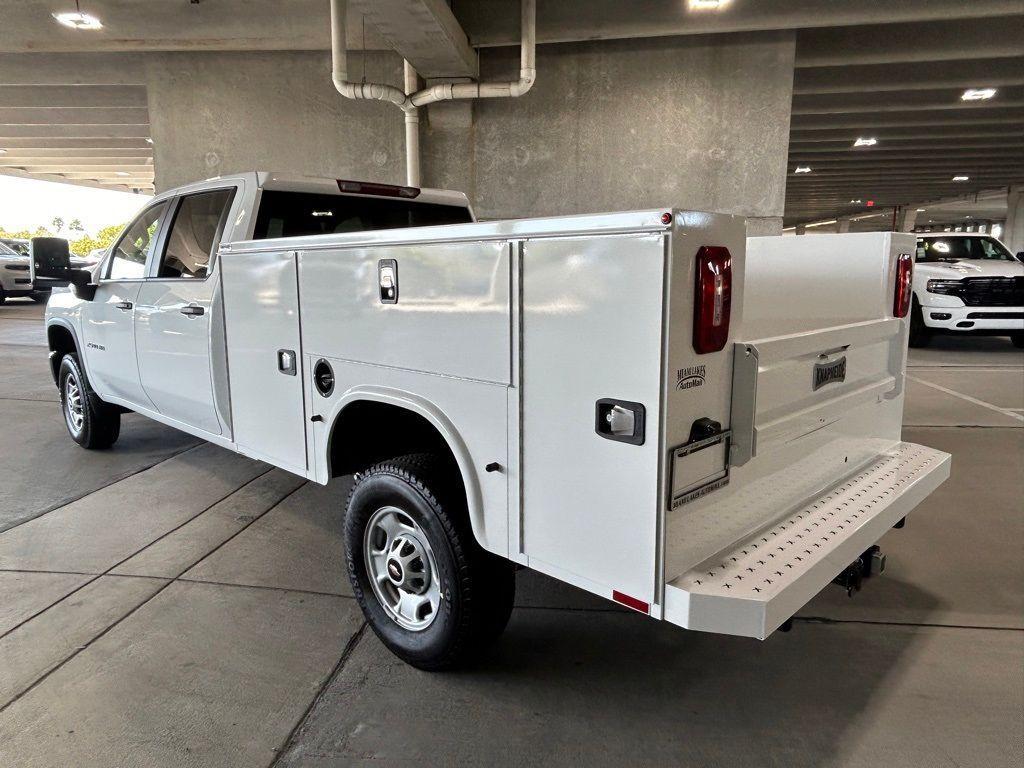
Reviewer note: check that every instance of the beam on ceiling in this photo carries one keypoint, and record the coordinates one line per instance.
(910, 133)
(911, 76)
(992, 116)
(492, 22)
(73, 131)
(77, 96)
(75, 115)
(71, 69)
(921, 41)
(887, 101)
(423, 32)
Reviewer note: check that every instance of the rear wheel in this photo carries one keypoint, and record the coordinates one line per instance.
(920, 334)
(41, 297)
(90, 422)
(428, 590)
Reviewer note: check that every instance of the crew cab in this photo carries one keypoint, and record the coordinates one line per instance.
(703, 428)
(966, 283)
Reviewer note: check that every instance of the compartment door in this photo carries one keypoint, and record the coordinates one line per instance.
(591, 349)
(261, 314)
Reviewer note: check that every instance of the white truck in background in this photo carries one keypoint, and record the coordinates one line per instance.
(966, 283)
(647, 405)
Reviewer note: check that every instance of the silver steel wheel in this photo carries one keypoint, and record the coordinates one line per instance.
(74, 405)
(401, 568)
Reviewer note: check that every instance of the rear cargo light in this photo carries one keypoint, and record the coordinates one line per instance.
(384, 190)
(712, 299)
(904, 280)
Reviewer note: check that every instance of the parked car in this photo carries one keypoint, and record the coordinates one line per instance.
(968, 284)
(703, 428)
(15, 279)
(17, 245)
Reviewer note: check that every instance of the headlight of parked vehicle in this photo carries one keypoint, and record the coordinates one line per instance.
(948, 287)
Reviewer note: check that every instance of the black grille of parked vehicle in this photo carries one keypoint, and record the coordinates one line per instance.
(995, 315)
(991, 291)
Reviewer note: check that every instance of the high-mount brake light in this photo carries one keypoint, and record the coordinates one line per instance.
(666, 218)
(712, 299)
(383, 190)
(904, 284)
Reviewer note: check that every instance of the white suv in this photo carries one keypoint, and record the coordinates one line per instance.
(15, 279)
(966, 283)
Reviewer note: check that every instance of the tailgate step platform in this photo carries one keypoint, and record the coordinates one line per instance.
(760, 581)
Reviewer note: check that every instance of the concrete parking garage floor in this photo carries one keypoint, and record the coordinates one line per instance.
(168, 603)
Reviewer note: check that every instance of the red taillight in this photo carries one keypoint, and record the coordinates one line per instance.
(630, 602)
(371, 188)
(712, 299)
(904, 285)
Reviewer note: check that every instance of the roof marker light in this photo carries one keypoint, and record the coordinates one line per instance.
(630, 602)
(978, 94)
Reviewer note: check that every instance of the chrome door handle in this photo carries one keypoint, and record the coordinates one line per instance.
(124, 305)
(192, 310)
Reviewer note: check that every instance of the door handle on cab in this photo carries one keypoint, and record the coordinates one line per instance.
(124, 305)
(192, 310)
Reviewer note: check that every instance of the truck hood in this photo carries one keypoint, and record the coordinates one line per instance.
(958, 270)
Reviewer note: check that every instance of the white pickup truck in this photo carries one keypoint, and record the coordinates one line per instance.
(966, 283)
(703, 428)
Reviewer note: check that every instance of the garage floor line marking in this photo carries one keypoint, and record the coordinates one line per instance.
(968, 398)
(289, 740)
(133, 610)
(117, 479)
(133, 554)
(924, 624)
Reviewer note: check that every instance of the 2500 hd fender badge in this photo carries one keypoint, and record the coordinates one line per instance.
(690, 377)
(826, 373)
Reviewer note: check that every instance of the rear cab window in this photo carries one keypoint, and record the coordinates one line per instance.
(294, 214)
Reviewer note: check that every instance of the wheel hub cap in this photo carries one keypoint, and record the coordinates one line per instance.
(401, 568)
(74, 407)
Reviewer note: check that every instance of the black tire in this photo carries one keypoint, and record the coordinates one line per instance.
(100, 422)
(41, 297)
(476, 588)
(920, 334)
(1017, 339)
(3, 296)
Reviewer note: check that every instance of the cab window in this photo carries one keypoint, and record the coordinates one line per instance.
(195, 234)
(128, 258)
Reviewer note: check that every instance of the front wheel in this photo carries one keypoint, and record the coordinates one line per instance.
(427, 589)
(920, 334)
(90, 422)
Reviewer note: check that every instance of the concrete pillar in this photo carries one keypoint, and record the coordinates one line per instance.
(214, 113)
(843, 225)
(620, 124)
(906, 218)
(1013, 230)
(801, 229)
(760, 226)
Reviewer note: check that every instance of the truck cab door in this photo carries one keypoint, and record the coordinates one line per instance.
(179, 329)
(108, 321)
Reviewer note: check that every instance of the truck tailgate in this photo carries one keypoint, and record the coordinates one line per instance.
(755, 584)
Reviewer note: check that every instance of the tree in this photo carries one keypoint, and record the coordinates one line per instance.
(57, 223)
(76, 226)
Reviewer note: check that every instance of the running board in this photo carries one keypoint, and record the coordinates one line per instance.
(756, 584)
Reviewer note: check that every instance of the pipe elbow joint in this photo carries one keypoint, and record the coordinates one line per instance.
(527, 77)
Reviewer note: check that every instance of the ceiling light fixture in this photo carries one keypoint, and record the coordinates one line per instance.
(3, 151)
(149, 140)
(707, 5)
(121, 173)
(920, 210)
(978, 94)
(802, 169)
(858, 201)
(865, 142)
(76, 19)
(961, 178)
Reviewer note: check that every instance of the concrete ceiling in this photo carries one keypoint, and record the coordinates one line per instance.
(891, 71)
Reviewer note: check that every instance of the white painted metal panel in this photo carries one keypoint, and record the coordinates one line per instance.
(452, 316)
(591, 329)
(261, 310)
(108, 328)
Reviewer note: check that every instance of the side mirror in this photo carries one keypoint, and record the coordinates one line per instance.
(49, 266)
(49, 261)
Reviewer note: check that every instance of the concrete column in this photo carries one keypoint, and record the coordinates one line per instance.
(1013, 230)
(759, 226)
(214, 113)
(843, 225)
(906, 218)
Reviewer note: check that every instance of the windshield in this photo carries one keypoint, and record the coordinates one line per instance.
(15, 247)
(292, 214)
(958, 248)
